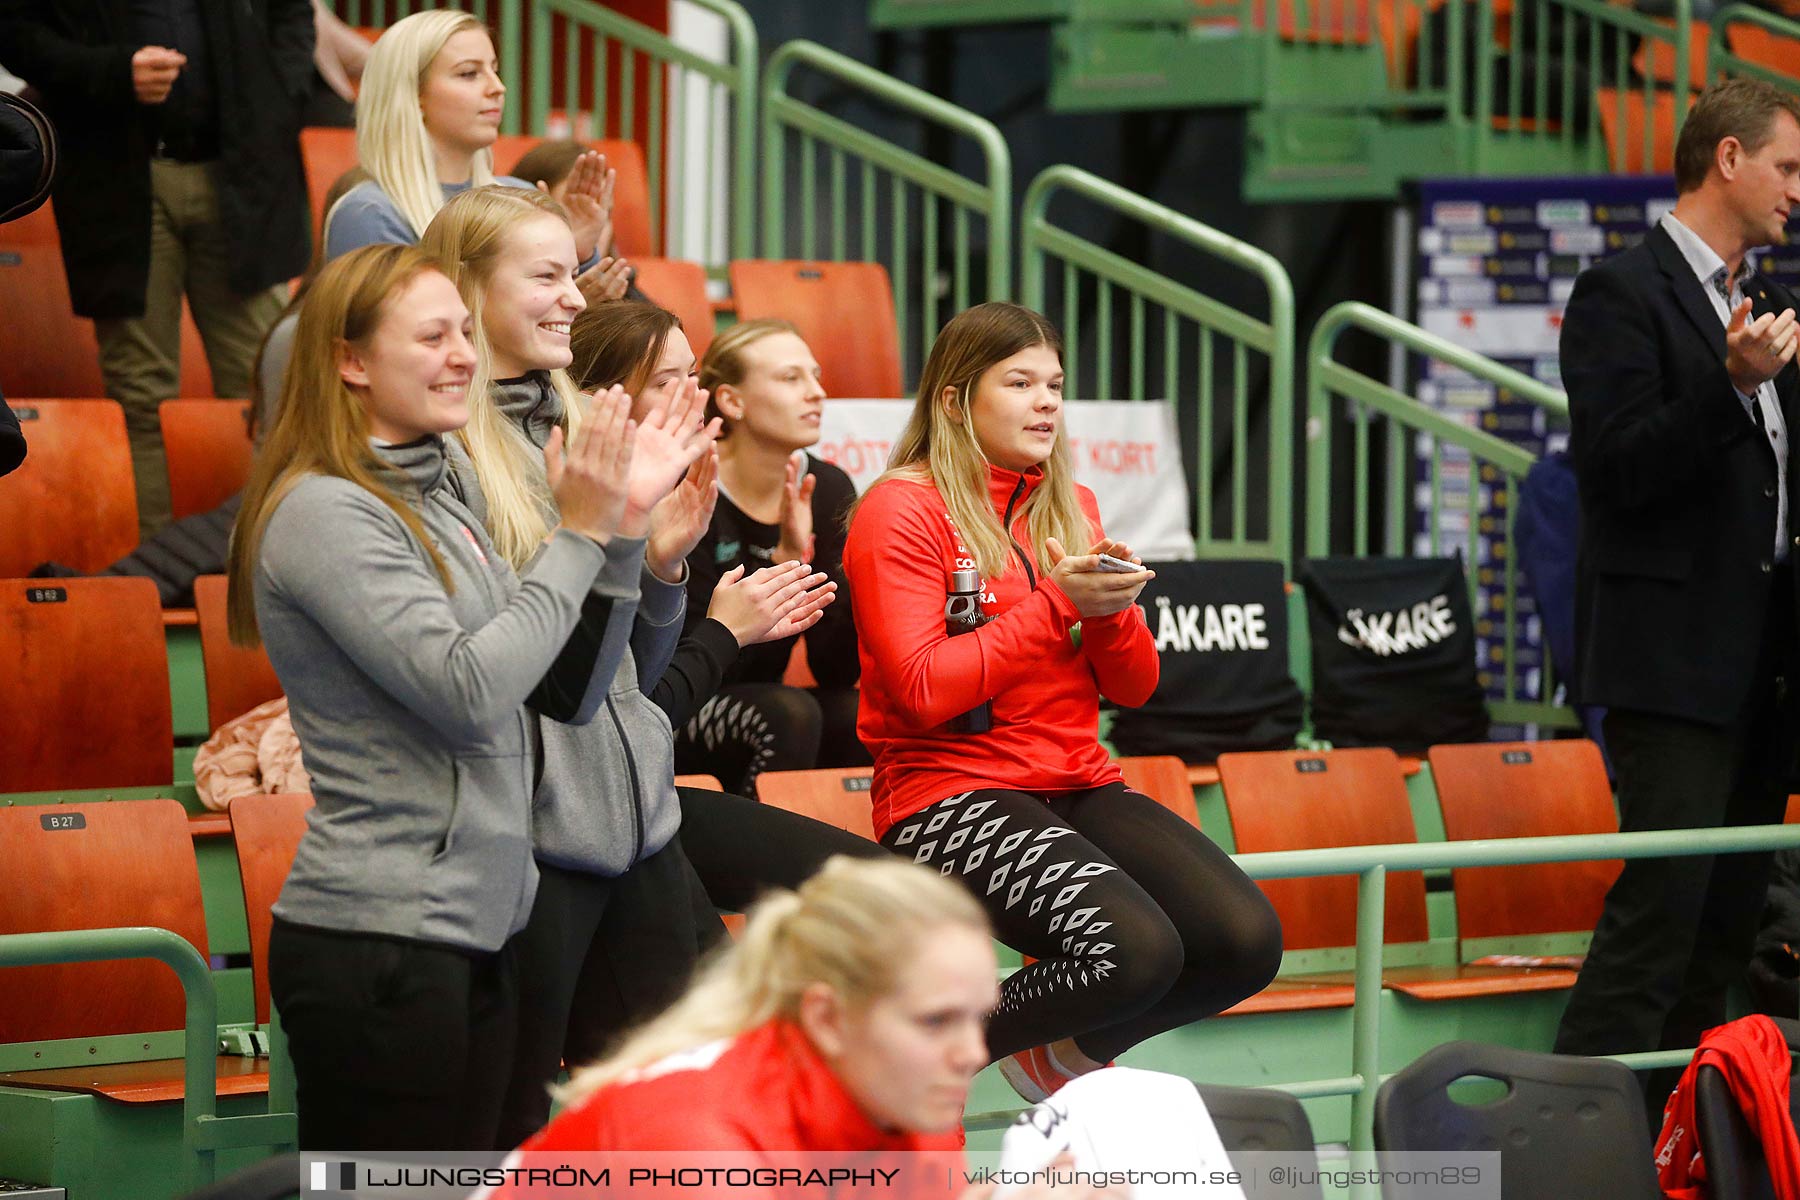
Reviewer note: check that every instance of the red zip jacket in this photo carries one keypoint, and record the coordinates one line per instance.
(1754, 1058)
(1046, 689)
(766, 1091)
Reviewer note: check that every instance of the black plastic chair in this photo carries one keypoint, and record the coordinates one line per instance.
(1566, 1126)
(1735, 1166)
(1260, 1119)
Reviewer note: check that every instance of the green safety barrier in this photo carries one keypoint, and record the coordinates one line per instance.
(1371, 865)
(639, 87)
(1407, 427)
(203, 1131)
(874, 185)
(1179, 340)
(1722, 61)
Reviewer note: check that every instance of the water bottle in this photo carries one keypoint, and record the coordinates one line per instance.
(962, 614)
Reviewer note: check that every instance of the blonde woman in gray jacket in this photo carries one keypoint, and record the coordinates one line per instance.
(408, 649)
(612, 917)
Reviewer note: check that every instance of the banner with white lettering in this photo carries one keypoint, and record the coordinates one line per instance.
(1393, 652)
(1129, 454)
(1221, 629)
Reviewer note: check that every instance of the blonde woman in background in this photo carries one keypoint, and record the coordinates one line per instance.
(613, 935)
(426, 119)
(777, 503)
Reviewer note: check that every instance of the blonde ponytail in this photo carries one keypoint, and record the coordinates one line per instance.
(854, 925)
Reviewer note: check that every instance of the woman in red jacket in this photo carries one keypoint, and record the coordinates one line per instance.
(1139, 924)
(847, 1017)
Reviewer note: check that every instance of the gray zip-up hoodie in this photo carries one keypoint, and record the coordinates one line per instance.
(606, 797)
(408, 702)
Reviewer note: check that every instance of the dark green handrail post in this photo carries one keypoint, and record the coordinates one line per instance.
(512, 63)
(199, 1104)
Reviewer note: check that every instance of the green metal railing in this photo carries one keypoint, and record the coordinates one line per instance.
(618, 78)
(1371, 865)
(1392, 426)
(1179, 343)
(203, 1131)
(1569, 39)
(1535, 86)
(1748, 60)
(857, 195)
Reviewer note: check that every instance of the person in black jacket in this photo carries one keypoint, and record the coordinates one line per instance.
(181, 173)
(27, 162)
(777, 503)
(1678, 361)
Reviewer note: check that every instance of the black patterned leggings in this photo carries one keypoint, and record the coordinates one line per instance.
(748, 728)
(1139, 924)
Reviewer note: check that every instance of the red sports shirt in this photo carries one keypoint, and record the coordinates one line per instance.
(1045, 688)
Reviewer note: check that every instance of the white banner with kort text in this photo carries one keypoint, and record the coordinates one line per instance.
(1128, 453)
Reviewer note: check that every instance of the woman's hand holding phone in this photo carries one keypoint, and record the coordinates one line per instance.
(1098, 590)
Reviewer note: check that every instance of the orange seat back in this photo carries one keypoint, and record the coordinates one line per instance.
(837, 796)
(706, 783)
(45, 349)
(1526, 789)
(1164, 779)
(73, 501)
(1306, 799)
(1765, 47)
(1625, 137)
(327, 152)
(104, 865)
(206, 444)
(844, 311)
(266, 831)
(84, 698)
(238, 678)
(680, 287)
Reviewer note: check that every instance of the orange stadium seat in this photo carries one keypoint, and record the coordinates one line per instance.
(238, 678)
(631, 191)
(102, 866)
(1765, 47)
(45, 349)
(85, 698)
(73, 501)
(267, 831)
(837, 796)
(1625, 146)
(844, 310)
(206, 444)
(327, 154)
(680, 287)
(1526, 789)
(1163, 778)
(706, 783)
(1302, 800)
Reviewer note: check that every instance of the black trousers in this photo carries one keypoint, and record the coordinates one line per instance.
(1139, 924)
(397, 1045)
(599, 956)
(748, 728)
(741, 848)
(1675, 933)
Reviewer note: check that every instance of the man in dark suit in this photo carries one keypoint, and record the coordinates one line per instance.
(180, 175)
(1678, 361)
